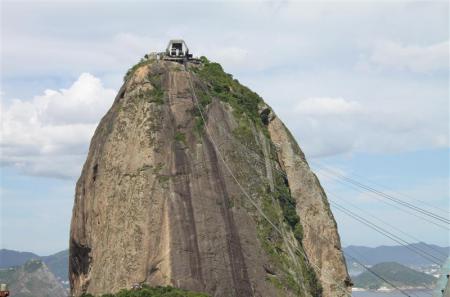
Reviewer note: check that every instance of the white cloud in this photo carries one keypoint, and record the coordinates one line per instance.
(115, 53)
(49, 134)
(232, 56)
(420, 59)
(293, 56)
(328, 126)
(284, 50)
(324, 106)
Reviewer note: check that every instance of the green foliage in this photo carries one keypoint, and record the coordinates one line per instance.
(180, 137)
(271, 240)
(216, 83)
(130, 71)
(158, 168)
(222, 86)
(274, 245)
(245, 134)
(288, 207)
(199, 124)
(158, 92)
(298, 232)
(204, 59)
(278, 206)
(204, 99)
(147, 291)
(313, 282)
(163, 178)
(288, 204)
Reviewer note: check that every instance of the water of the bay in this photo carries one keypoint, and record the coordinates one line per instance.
(421, 293)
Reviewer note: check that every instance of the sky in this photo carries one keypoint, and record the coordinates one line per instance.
(363, 86)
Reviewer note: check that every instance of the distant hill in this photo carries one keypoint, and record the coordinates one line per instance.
(57, 263)
(395, 273)
(10, 258)
(399, 254)
(32, 279)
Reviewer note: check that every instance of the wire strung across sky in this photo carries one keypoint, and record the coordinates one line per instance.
(257, 158)
(429, 205)
(362, 264)
(388, 234)
(387, 196)
(379, 276)
(437, 251)
(387, 202)
(399, 204)
(377, 228)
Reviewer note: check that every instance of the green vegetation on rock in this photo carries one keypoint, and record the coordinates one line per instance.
(287, 204)
(180, 137)
(238, 118)
(130, 71)
(222, 86)
(292, 270)
(157, 94)
(147, 291)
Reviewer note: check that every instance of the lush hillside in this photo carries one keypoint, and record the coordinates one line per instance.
(399, 254)
(395, 273)
(153, 292)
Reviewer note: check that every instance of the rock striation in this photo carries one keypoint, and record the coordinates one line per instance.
(225, 204)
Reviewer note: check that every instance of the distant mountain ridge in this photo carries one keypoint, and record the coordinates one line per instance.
(399, 254)
(397, 274)
(10, 258)
(57, 263)
(32, 279)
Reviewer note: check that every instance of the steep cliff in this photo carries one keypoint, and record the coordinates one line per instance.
(191, 180)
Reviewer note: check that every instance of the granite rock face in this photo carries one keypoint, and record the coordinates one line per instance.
(228, 207)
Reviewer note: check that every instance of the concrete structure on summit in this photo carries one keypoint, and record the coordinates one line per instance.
(178, 51)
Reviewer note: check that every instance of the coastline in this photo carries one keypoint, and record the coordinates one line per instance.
(392, 293)
(388, 290)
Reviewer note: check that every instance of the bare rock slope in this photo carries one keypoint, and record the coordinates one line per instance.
(229, 207)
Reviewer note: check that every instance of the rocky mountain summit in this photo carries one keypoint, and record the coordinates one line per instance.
(57, 263)
(192, 181)
(32, 279)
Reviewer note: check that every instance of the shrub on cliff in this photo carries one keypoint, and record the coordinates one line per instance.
(152, 292)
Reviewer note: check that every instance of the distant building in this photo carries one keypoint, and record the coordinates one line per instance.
(4, 290)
